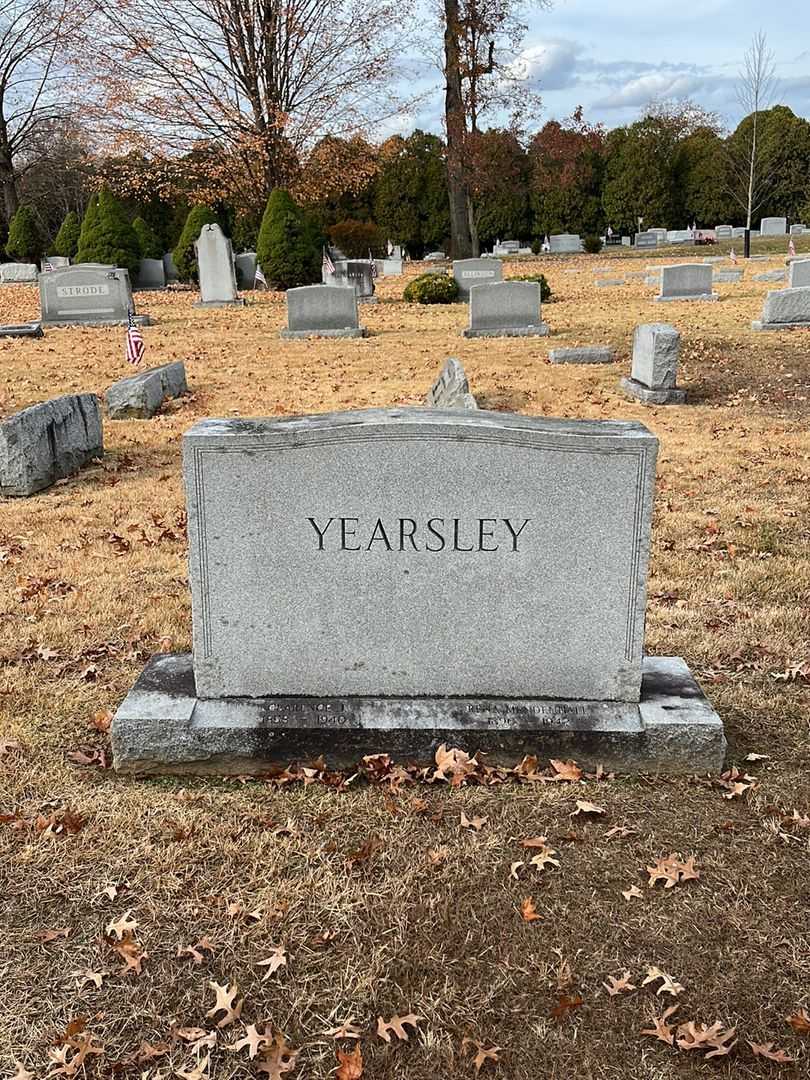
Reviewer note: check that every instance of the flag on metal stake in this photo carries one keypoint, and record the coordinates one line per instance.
(136, 346)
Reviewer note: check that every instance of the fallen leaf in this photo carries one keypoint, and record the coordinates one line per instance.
(482, 1053)
(87, 976)
(633, 892)
(662, 1030)
(566, 770)
(565, 1005)
(253, 1039)
(396, 1025)
(131, 953)
(766, 1050)
(800, 1022)
(227, 1002)
(196, 952)
(693, 1036)
(513, 869)
(21, 1073)
(122, 927)
(347, 1030)
(277, 959)
(588, 809)
(672, 871)
(278, 1060)
(668, 984)
(620, 985)
(350, 1063)
(527, 910)
(196, 1070)
(47, 936)
(472, 823)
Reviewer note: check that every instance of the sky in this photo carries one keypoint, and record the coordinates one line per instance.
(614, 57)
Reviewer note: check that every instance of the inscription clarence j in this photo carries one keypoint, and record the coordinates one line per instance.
(407, 534)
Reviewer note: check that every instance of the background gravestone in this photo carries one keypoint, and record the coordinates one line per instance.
(505, 309)
(322, 311)
(140, 396)
(89, 294)
(353, 273)
(216, 269)
(783, 309)
(18, 273)
(151, 274)
(469, 272)
(773, 226)
(646, 240)
(564, 244)
(169, 269)
(799, 274)
(246, 263)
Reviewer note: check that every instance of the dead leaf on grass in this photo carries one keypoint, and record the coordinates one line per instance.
(565, 1005)
(528, 910)
(716, 1039)
(123, 926)
(472, 823)
(253, 1039)
(227, 1002)
(482, 1054)
(634, 892)
(350, 1065)
(397, 1025)
(622, 985)
(662, 1030)
(566, 771)
(588, 809)
(346, 1030)
(277, 959)
(766, 1050)
(668, 984)
(800, 1021)
(279, 1059)
(47, 936)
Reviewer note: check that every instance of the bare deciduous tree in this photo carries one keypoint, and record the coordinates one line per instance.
(262, 80)
(33, 35)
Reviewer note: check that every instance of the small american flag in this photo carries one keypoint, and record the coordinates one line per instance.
(732, 255)
(47, 266)
(328, 265)
(791, 248)
(136, 346)
(374, 271)
(259, 278)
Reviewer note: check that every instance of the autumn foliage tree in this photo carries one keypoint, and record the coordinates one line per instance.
(567, 167)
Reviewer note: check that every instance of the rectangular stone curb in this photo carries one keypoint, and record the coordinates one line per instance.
(141, 396)
(162, 727)
(605, 283)
(670, 396)
(512, 331)
(46, 442)
(758, 324)
(33, 330)
(585, 354)
(703, 296)
(240, 302)
(349, 332)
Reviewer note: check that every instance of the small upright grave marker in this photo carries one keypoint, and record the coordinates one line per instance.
(322, 311)
(469, 272)
(655, 366)
(451, 390)
(799, 274)
(505, 309)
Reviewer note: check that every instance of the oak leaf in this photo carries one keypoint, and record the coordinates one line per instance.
(396, 1025)
(715, 1039)
(800, 1022)
(672, 871)
(253, 1039)
(668, 984)
(227, 1002)
(131, 953)
(535, 842)
(123, 926)
(633, 892)
(195, 1071)
(565, 1005)
(587, 809)
(482, 1053)
(662, 1030)
(766, 1050)
(196, 952)
(472, 823)
(279, 1059)
(620, 985)
(566, 770)
(87, 976)
(47, 936)
(346, 1030)
(350, 1063)
(21, 1073)
(277, 959)
(544, 858)
(528, 910)
(513, 869)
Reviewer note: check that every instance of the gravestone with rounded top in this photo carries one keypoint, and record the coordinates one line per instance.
(723, 232)
(783, 309)
(322, 311)
(799, 274)
(216, 269)
(89, 294)
(686, 281)
(798, 229)
(505, 309)
(469, 272)
(391, 579)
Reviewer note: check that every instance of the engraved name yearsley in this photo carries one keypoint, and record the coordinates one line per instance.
(407, 534)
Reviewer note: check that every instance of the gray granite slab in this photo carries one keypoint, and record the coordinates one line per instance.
(419, 551)
(583, 354)
(799, 274)
(770, 275)
(649, 396)
(656, 347)
(451, 389)
(32, 329)
(140, 396)
(322, 311)
(47, 442)
(773, 226)
(784, 309)
(686, 281)
(505, 309)
(163, 727)
(356, 274)
(151, 274)
(469, 272)
(18, 273)
(605, 283)
(87, 294)
(216, 269)
(727, 276)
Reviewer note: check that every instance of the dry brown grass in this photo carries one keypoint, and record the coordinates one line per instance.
(729, 586)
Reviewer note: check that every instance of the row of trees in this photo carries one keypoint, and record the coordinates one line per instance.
(220, 102)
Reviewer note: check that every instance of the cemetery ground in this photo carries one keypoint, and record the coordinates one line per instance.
(314, 901)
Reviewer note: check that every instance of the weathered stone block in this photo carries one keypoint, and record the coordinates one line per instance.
(799, 274)
(141, 396)
(686, 281)
(46, 442)
(469, 272)
(459, 521)
(583, 354)
(655, 355)
(646, 396)
(564, 244)
(505, 309)
(322, 311)
(770, 275)
(451, 390)
(728, 277)
(18, 273)
(32, 329)
(783, 309)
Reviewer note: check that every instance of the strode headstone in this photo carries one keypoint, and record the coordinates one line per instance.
(505, 309)
(322, 311)
(89, 294)
(387, 580)
(469, 272)
(216, 269)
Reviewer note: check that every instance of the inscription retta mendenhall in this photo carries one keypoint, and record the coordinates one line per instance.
(407, 534)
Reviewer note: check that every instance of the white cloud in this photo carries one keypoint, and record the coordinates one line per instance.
(549, 65)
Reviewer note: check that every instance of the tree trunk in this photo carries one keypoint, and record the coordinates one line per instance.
(461, 244)
(8, 181)
(473, 225)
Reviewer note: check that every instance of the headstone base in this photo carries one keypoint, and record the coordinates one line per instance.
(239, 302)
(139, 320)
(666, 396)
(33, 329)
(348, 332)
(163, 727)
(701, 296)
(758, 324)
(541, 330)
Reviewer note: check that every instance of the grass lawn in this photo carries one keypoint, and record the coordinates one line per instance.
(373, 899)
